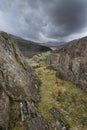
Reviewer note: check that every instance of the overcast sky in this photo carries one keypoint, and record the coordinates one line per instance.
(44, 20)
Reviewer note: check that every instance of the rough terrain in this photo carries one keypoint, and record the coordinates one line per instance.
(18, 90)
(48, 102)
(72, 64)
(62, 104)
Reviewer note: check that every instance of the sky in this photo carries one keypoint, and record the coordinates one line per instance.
(44, 20)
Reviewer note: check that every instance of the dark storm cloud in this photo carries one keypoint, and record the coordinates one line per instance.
(44, 20)
(65, 17)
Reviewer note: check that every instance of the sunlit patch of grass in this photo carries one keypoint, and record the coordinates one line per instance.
(27, 59)
(35, 65)
(70, 100)
(44, 54)
(42, 64)
(58, 53)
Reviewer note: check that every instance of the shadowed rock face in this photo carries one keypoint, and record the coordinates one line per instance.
(72, 64)
(18, 88)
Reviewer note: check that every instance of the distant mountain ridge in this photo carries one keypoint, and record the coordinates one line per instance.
(29, 48)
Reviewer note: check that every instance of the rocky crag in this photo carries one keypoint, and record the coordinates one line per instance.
(72, 64)
(18, 90)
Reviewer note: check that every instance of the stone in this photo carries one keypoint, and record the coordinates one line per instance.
(51, 61)
(18, 88)
(37, 124)
(72, 63)
(57, 120)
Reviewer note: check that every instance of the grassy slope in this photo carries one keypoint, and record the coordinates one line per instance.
(71, 101)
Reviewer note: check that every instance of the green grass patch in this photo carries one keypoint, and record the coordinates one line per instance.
(58, 53)
(66, 97)
(27, 59)
(44, 54)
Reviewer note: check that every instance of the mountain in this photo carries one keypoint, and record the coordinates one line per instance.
(54, 44)
(30, 48)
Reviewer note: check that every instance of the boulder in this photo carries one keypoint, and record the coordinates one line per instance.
(51, 61)
(72, 64)
(18, 88)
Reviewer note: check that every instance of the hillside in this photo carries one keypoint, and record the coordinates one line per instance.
(29, 48)
(61, 103)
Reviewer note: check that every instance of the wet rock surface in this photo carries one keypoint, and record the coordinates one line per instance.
(18, 89)
(72, 64)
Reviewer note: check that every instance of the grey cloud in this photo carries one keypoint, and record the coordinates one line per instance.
(67, 16)
(44, 20)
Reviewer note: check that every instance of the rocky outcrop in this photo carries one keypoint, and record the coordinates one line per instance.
(72, 64)
(52, 60)
(18, 89)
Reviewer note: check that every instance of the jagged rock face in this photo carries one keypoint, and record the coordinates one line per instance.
(72, 64)
(18, 86)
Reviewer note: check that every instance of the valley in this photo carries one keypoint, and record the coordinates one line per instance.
(62, 95)
(42, 92)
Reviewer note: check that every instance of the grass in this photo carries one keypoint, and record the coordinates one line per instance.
(18, 128)
(44, 54)
(27, 59)
(58, 53)
(66, 97)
